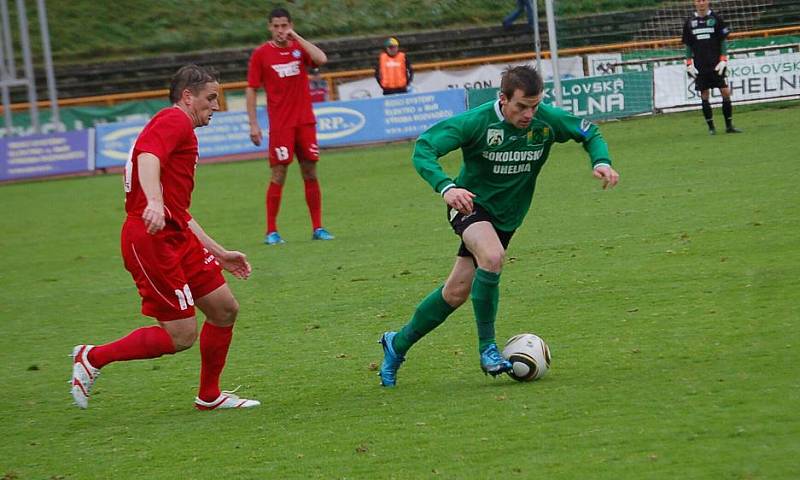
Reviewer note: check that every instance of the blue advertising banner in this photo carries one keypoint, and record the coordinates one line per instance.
(227, 134)
(394, 117)
(46, 155)
(353, 122)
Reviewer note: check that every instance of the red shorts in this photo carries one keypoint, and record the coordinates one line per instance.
(170, 268)
(285, 142)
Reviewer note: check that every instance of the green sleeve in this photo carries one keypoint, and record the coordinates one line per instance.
(436, 142)
(689, 52)
(569, 127)
(724, 47)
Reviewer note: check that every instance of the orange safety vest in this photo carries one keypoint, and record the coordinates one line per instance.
(393, 70)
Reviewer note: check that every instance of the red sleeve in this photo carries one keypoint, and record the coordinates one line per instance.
(162, 137)
(254, 70)
(307, 58)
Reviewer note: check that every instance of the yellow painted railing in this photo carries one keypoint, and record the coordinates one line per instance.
(333, 77)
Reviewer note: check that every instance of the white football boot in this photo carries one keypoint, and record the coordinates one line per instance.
(226, 399)
(83, 375)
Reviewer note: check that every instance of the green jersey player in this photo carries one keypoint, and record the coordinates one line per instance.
(504, 144)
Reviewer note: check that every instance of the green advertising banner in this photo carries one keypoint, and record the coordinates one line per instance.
(80, 118)
(595, 98)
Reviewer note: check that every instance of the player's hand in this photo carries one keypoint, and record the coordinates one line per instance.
(460, 199)
(721, 66)
(608, 175)
(690, 69)
(255, 135)
(236, 263)
(153, 217)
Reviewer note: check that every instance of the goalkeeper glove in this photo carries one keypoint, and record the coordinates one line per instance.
(690, 69)
(722, 65)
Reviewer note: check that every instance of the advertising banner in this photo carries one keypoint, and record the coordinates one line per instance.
(79, 118)
(355, 122)
(482, 76)
(594, 98)
(752, 78)
(394, 117)
(46, 155)
(227, 134)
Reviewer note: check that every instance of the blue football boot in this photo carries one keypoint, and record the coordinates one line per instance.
(273, 238)
(391, 360)
(492, 363)
(321, 234)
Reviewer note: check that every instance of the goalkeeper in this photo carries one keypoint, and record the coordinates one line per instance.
(704, 34)
(504, 144)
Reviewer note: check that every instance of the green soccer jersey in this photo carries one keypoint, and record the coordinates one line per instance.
(501, 162)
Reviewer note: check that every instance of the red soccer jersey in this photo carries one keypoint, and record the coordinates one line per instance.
(283, 74)
(169, 135)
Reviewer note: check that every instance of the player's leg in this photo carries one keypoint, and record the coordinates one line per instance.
(308, 155)
(221, 309)
(727, 110)
(431, 312)
(154, 264)
(281, 153)
(216, 301)
(482, 240)
(708, 114)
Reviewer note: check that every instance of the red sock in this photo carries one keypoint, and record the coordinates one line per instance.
(145, 342)
(214, 343)
(314, 201)
(274, 192)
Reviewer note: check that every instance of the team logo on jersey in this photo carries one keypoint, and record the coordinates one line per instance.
(585, 125)
(494, 137)
(296, 53)
(537, 137)
(287, 69)
(711, 22)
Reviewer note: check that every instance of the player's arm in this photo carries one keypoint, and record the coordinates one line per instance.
(691, 70)
(317, 55)
(569, 127)
(436, 142)
(251, 99)
(149, 171)
(723, 31)
(231, 260)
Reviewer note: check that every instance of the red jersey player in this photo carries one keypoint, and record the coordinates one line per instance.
(174, 263)
(281, 67)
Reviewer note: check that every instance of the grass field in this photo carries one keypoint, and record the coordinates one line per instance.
(670, 305)
(92, 30)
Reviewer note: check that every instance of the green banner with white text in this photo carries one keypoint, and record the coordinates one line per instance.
(594, 98)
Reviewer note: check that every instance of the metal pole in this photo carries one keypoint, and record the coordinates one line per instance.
(48, 66)
(537, 41)
(26, 57)
(7, 42)
(5, 95)
(551, 35)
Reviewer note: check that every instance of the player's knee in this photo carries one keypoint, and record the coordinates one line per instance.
(226, 314)
(456, 294)
(183, 339)
(278, 174)
(492, 261)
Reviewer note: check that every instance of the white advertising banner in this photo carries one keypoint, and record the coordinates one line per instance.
(603, 63)
(483, 76)
(749, 79)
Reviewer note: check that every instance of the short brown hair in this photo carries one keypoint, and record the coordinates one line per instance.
(523, 77)
(192, 77)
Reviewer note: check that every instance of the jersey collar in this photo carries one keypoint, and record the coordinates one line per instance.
(499, 111)
(707, 14)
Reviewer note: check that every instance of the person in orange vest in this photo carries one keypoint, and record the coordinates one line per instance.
(394, 72)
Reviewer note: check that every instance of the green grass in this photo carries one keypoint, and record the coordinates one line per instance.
(670, 305)
(91, 30)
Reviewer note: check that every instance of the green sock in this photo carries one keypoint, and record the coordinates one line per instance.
(485, 296)
(430, 313)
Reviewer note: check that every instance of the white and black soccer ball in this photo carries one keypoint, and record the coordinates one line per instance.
(529, 356)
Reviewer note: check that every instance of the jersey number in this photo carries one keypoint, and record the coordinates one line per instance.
(185, 297)
(282, 153)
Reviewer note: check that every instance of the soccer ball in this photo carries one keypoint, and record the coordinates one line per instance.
(529, 356)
